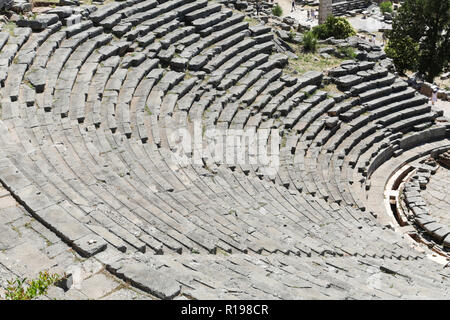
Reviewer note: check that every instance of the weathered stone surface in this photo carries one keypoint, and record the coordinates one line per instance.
(98, 286)
(148, 279)
(62, 12)
(348, 81)
(178, 63)
(121, 29)
(197, 63)
(90, 245)
(105, 11)
(166, 55)
(39, 23)
(62, 223)
(37, 77)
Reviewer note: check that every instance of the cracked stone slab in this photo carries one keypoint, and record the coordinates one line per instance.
(146, 278)
(41, 22)
(36, 77)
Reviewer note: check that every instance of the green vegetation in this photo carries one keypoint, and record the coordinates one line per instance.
(277, 11)
(251, 21)
(28, 83)
(292, 34)
(348, 52)
(339, 28)
(146, 108)
(21, 289)
(386, 7)
(10, 26)
(420, 37)
(309, 42)
(404, 53)
(221, 251)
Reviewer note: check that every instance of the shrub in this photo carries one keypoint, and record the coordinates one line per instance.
(277, 11)
(320, 31)
(349, 52)
(21, 289)
(309, 42)
(339, 28)
(292, 34)
(386, 6)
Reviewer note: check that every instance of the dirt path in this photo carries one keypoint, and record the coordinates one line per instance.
(299, 14)
(444, 105)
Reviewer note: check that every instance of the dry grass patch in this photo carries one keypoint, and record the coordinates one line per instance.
(311, 61)
(251, 21)
(331, 88)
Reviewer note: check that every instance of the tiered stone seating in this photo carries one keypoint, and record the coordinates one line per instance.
(343, 7)
(433, 224)
(92, 114)
(354, 128)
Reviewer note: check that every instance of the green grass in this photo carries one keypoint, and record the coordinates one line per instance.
(348, 52)
(23, 289)
(309, 42)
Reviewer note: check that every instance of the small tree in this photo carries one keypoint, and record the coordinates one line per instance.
(277, 11)
(309, 42)
(420, 37)
(404, 53)
(386, 7)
